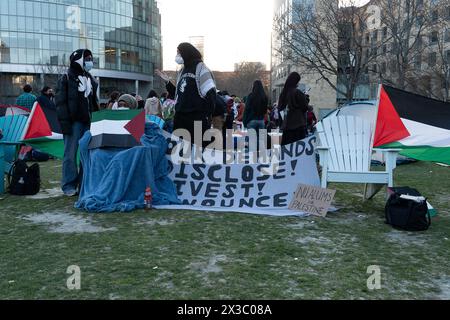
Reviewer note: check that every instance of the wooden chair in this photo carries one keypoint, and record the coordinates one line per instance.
(345, 151)
(12, 128)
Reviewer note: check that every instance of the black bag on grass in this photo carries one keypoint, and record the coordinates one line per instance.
(407, 214)
(24, 180)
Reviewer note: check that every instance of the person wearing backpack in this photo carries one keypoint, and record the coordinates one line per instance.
(194, 91)
(76, 99)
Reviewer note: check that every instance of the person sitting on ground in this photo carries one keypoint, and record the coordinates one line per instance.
(127, 101)
(26, 99)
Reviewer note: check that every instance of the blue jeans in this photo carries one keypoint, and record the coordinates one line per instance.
(256, 125)
(71, 174)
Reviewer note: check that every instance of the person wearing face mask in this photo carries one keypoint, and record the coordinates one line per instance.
(194, 91)
(47, 98)
(293, 101)
(76, 99)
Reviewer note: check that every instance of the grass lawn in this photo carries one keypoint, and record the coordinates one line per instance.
(198, 255)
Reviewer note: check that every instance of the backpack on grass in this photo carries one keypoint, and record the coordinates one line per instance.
(24, 180)
(407, 210)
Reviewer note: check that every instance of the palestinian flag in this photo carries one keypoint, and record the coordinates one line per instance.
(109, 128)
(418, 125)
(43, 131)
(117, 128)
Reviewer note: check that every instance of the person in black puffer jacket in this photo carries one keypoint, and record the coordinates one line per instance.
(76, 99)
(194, 92)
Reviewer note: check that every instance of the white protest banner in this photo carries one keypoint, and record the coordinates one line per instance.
(312, 199)
(239, 187)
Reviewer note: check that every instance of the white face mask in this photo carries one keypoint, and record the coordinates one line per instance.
(179, 59)
(88, 65)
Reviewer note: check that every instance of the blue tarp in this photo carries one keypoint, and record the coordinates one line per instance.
(114, 180)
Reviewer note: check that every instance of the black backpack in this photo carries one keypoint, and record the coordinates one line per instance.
(407, 214)
(24, 180)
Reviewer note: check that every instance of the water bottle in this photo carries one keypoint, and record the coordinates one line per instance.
(148, 198)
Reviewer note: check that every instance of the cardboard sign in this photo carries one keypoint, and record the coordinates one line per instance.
(313, 200)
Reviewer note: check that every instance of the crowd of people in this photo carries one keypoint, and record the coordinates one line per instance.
(198, 99)
(191, 97)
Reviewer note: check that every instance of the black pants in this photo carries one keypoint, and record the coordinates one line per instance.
(186, 121)
(291, 136)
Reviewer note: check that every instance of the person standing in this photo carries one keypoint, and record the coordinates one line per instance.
(46, 99)
(194, 91)
(26, 99)
(229, 114)
(113, 100)
(256, 107)
(218, 116)
(311, 120)
(256, 110)
(240, 106)
(76, 99)
(293, 101)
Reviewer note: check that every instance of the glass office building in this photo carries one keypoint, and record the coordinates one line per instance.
(37, 38)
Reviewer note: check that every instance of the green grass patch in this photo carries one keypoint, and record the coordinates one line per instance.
(203, 255)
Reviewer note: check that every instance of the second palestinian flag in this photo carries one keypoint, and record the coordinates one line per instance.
(43, 131)
(420, 126)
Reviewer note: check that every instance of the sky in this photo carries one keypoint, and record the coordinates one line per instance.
(234, 30)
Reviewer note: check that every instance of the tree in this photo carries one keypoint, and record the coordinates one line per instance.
(438, 52)
(327, 40)
(240, 81)
(405, 22)
(51, 74)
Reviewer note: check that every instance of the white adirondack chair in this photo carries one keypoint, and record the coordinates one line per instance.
(345, 150)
